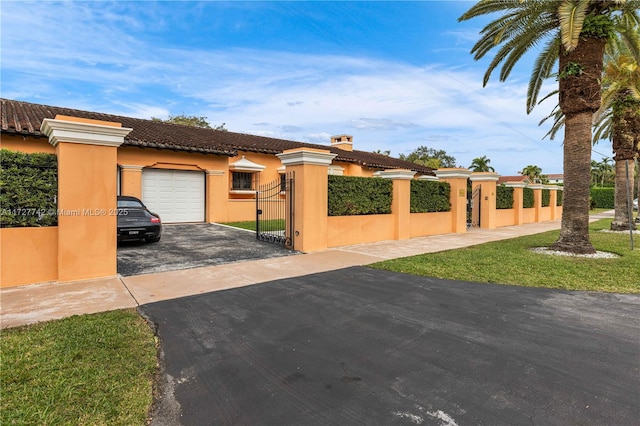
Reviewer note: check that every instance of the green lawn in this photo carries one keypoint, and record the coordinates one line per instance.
(84, 370)
(270, 225)
(511, 262)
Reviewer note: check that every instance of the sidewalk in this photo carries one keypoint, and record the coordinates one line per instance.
(48, 301)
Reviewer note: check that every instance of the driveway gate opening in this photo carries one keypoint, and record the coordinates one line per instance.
(274, 211)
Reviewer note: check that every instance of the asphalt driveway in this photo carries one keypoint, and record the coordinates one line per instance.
(361, 346)
(185, 246)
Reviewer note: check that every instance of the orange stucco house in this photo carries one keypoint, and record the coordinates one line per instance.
(186, 174)
(190, 174)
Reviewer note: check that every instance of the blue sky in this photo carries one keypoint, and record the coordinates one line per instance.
(395, 75)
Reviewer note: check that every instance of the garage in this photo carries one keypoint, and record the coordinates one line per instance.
(176, 195)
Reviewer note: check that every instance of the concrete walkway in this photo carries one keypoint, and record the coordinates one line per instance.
(48, 301)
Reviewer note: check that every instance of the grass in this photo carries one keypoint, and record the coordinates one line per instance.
(511, 262)
(271, 225)
(90, 369)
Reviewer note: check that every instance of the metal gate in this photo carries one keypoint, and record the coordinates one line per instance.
(274, 211)
(473, 208)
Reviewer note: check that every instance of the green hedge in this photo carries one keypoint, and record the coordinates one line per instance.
(527, 198)
(351, 195)
(28, 189)
(504, 197)
(546, 197)
(430, 196)
(559, 197)
(602, 198)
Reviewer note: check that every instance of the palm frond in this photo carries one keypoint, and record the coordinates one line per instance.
(571, 15)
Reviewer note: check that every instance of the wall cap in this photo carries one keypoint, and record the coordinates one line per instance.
(535, 186)
(428, 177)
(304, 156)
(484, 177)
(397, 174)
(84, 133)
(514, 184)
(453, 173)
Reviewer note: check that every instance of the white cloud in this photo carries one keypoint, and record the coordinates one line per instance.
(94, 58)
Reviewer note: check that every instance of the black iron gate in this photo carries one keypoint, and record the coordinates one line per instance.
(473, 208)
(275, 212)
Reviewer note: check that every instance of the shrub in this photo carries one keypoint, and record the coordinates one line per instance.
(527, 198)
(430, 196)
(504, 197)
(559, 195)
(351, 195)
(602, 198)
(28, 189)
(546, 197)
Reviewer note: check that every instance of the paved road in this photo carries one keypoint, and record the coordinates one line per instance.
(185, 246)
(360, 346)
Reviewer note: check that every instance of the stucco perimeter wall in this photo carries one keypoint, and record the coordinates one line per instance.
(347, 230)
(505, 217)
(545, 214)
(26, 144)
(423, 224)
(529, 215)
(28, 255)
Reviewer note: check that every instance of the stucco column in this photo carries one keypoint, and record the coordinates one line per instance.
(216, 198)
(487, 182)
(311, 169)
(87, 214)
(537, 199)
(518, 207)
(401, 203)
(131, 180)
(553, 200)
(457, 179)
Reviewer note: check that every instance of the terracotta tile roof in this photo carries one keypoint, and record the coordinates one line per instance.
(518, 178)
(25, 118)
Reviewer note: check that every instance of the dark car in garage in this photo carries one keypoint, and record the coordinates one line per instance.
(136, 222)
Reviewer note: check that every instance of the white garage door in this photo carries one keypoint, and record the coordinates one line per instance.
(176, 195)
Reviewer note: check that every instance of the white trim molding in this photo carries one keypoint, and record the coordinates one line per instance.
(306, 156)
(484, 177)
(397, 174)
(429, 178)
(215, 172)
(85, 133)
(515, 184)
(452, 173)
(244, 165)
(131, 168)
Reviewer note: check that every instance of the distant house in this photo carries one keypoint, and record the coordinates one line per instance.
(557, 178)
(191, 174)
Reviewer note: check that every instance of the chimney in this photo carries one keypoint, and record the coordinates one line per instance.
(344, 142)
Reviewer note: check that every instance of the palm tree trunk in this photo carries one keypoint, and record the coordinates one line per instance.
(574, 232)
(621, 218)
(579, 98)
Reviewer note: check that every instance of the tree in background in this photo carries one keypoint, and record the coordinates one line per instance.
(619, 117)
(386, 152)
(534, 173)
(481, 164)
(191, 120)
(429, 157)
(573, 33)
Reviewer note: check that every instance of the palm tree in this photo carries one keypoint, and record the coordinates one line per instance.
(619, 117)
(534, 173)
(481, 164)
(575, 33)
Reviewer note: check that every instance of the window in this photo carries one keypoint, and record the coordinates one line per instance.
(283, 182)
(242, 181)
